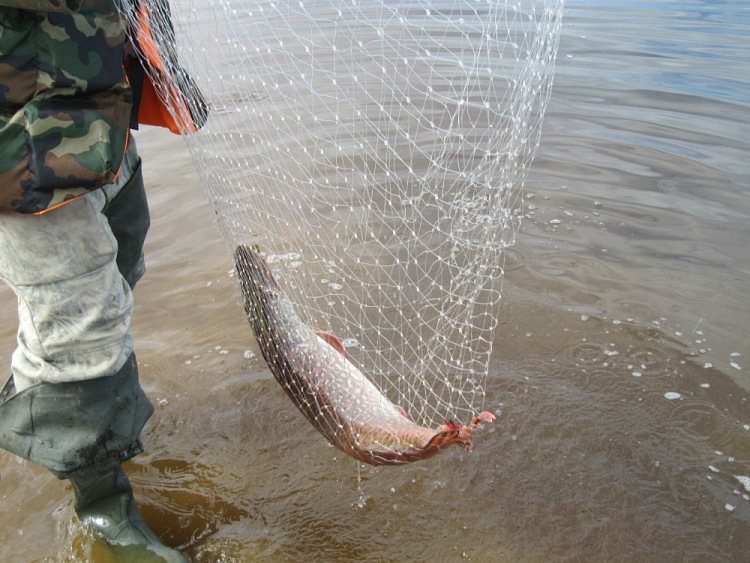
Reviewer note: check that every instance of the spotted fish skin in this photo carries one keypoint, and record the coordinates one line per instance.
(329, 390)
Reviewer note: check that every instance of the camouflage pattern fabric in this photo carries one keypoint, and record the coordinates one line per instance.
(64, 100)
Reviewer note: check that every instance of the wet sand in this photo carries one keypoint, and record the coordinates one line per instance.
(619, 371)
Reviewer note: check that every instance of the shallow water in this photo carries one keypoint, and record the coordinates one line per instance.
(619, 372)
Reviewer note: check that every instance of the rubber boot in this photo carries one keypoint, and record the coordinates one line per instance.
(104, 503)
(82, 431)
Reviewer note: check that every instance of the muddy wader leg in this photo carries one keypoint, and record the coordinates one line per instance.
(82, 431)
(80, 409)
(129, 219)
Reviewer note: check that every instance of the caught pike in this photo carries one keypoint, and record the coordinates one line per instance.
(335, 396)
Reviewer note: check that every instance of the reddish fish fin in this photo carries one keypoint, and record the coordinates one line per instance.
(403, 411)
(452, 432)
(333, 341)
(484, 416)
(466, 431)
(449, 433)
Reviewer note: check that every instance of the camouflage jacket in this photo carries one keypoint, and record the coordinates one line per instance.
(64, 100)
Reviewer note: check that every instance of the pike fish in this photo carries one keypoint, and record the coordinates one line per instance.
(330, 391)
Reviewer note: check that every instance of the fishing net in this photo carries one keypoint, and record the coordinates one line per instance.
(375, 153)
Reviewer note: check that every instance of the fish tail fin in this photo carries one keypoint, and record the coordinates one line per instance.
(448, 434)
(451, 432)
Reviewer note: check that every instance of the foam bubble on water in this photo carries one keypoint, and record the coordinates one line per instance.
(708, 365)
(705, 385)
(636, 373)
(289, 257)
(735, 355)
(713, 468)
(735, 365)
(745, 480)
(361, 502)
(248, 355)
(672, 395)
(729, 507)
(350, 343)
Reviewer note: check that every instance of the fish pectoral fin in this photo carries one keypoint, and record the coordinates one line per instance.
(333, 341)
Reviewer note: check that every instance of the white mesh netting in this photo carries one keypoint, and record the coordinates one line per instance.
(375, 152)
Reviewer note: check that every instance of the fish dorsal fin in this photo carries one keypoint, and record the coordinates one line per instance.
(333, 341)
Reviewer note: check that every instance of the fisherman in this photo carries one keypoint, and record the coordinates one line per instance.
(73, 219)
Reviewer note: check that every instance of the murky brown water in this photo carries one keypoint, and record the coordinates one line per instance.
(628, 282)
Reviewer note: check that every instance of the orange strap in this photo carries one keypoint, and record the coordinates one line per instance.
(153, 110)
